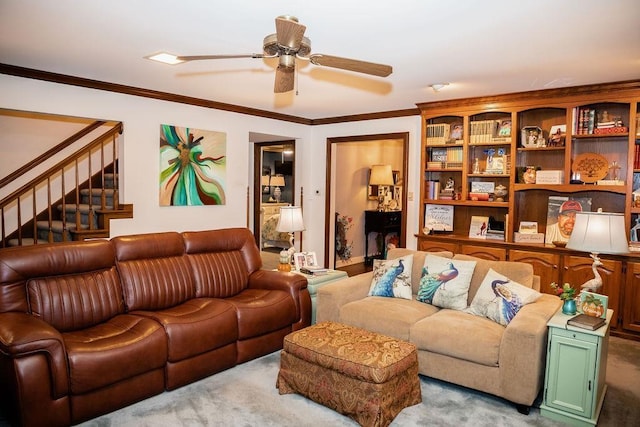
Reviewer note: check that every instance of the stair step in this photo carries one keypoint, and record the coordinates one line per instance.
(98, 191)
(26, 241)
(84, 208)
(57, 226)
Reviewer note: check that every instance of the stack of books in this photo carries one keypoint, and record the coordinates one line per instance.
(585, 321)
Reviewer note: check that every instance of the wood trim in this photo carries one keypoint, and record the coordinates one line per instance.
(404, 137)
(30, 73)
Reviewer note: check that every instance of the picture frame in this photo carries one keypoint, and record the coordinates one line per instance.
(593, 304)
(504, 129)
(557, 136)
(457, 131)
(305, 260)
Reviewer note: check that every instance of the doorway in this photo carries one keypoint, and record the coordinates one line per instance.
(274, 186)
(354, 175)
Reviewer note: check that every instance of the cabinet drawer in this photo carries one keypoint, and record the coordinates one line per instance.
(577, 335)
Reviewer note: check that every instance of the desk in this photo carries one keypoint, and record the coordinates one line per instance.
(316, 281)
(383, 223)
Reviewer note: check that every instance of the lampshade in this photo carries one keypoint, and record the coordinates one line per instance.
(277, 181)
(381, 175)
(290, 219)
(265, 180)
(599, 232)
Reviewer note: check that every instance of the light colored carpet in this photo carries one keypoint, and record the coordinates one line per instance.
(246, 396)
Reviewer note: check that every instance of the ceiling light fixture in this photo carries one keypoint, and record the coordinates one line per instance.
(165, 58)
(438, 86)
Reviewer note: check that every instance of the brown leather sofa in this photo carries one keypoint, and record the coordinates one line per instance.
(90, 327)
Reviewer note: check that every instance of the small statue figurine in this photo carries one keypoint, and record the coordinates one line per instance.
(476, 166)
(450, 184)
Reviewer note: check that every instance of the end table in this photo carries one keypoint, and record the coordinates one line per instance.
(316, 281)
(574, 384)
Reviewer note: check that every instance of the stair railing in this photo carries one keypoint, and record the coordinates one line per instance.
(80, 166)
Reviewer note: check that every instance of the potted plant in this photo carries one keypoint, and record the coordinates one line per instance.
(566, 294)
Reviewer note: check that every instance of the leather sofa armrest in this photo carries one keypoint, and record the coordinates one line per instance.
(523, 350)
(331, 297)
(22, 334)
(294, 284)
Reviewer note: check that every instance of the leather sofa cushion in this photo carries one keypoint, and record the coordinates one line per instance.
(19, 264)
(396, 315)
(154, 271)
(196, 326)
(438, 334)
(73, 302)
(262, 310)
(113, 351)
(219, 274)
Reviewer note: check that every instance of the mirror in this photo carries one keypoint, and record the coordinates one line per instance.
(276, 187)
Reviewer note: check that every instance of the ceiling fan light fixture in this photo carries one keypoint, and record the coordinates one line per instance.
(437, 87)
(165, 58)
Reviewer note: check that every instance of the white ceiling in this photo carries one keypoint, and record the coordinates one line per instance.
(479, 47)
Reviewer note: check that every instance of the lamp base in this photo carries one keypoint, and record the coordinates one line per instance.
(594, 284)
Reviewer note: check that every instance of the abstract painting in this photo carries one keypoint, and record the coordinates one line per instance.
(192, 166)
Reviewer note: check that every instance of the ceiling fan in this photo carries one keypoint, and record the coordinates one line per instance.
(289, 43)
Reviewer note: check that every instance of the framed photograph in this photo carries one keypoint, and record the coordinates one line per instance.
(456, 132)
(528, 227)
(504, 128)
(557, 135)
(593, 304)
(305, 260)
(478, 227)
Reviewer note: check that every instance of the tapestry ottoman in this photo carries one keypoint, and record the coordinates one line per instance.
(366, 376)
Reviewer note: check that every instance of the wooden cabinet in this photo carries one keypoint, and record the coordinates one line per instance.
(576, 270)
(485, 142)
(545, 264)
(631, 300)
(383, 223)
(575, 387)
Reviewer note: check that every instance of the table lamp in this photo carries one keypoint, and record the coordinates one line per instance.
(598, 233)
(381, 175)
(277, 181)
(290, 221)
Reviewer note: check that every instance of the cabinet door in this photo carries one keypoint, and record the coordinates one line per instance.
(433, 246)
(570, 384)
(484, 252)
(577, 270)
(631, 318)
(545, 265)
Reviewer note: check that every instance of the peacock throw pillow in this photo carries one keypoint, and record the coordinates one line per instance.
(499, 298)
(392, 277)
(445, 282)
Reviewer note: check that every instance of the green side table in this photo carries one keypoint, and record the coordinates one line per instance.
(574, 385)
(316, 281)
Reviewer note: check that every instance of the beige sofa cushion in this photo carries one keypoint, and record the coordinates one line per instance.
(418, 262)
(440, 334)
(520, 272)
(388, 316)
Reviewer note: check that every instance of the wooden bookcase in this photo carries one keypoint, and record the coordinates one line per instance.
(485, 122)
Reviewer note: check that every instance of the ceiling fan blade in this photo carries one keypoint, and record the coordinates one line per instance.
(289, 32)
(284, 79)
(201, 57)
(372, 68)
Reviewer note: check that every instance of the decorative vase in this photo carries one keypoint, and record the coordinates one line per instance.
(569, 306)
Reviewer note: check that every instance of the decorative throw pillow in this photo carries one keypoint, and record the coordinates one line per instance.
(445, 282)
(499, 298)
(392, 277)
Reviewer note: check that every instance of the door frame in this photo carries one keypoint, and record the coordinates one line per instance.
(328, 215)
(257, 181)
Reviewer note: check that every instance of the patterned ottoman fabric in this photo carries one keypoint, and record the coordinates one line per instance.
(364, 375)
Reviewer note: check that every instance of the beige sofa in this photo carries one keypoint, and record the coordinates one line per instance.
(453, 345)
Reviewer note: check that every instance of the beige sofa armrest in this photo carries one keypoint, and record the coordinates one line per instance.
(334, 295)
(523, 349)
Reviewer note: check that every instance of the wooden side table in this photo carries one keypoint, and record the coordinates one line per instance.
(383, 222)
(574, 385)
(316, 281)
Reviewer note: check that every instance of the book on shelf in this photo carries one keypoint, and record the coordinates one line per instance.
(585, 321)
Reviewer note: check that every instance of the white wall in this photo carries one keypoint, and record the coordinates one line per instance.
(141, 119)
